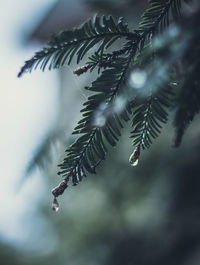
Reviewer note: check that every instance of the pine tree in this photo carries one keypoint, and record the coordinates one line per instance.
(156, 71)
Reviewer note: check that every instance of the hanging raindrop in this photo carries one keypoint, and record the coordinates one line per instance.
(55, 205)
(134, 156)
(133, 164)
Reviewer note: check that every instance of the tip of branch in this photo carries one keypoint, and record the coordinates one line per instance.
(22, 71)
(20, 74)
(60, 188)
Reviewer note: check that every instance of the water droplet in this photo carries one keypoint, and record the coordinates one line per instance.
(138, 79)
(55, 205)
(135, 163)
(134, 156)
(133, 160)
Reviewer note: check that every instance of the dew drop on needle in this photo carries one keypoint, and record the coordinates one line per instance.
(55, 205)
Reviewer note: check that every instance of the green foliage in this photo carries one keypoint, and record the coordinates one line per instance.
(156, 18)
(149, 115)
(154, 49)
(90, 148)
(68, 43)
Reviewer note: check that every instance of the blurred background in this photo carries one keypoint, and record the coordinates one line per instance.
(124, 215)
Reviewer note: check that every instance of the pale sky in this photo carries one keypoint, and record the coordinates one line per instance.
(26, 115)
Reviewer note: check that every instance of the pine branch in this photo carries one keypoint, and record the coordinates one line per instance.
(63, 47)
(75, 169)
(157, 18)
(149, 115)
(102, 122)
(184, 46)
(102, 61)
(157, 96)
(90, 149)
